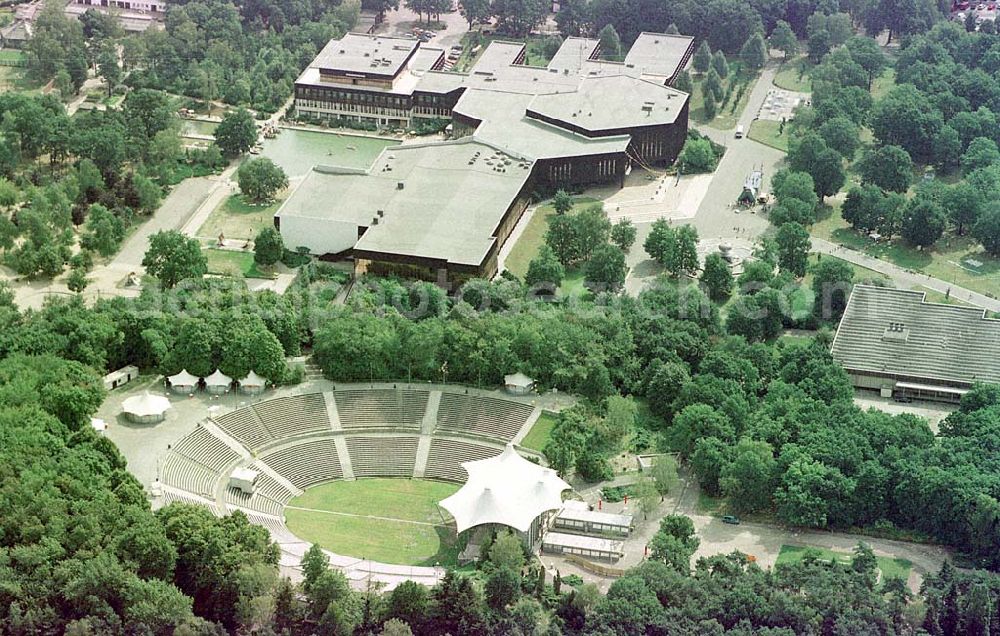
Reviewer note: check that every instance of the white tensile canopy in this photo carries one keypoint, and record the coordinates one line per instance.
(183, 379)
(518, 380)
(218, 379)
(98, 424)
(145, 405)
(253, 380)
(506, 489)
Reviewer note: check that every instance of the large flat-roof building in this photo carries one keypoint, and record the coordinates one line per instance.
(444, 210)
(893, 340)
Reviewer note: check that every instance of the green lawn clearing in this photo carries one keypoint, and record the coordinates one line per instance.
(539, 435)
(729, 113)
(388, 520)
(533, 236)
(794, 75)
(235, 218)
(889, 567)
(231, 263)
(13, 56)
(959, 260)
(769, 133)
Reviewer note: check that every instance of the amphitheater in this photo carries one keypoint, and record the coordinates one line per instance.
(301, 440)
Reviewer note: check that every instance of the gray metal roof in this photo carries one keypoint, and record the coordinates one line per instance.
(605, 103)
(505, 125)
(657, 54)
(362, 53)
(452, 198)
(897, 332)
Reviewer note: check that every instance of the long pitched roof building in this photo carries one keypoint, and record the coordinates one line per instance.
(895, 341)
(438, 211)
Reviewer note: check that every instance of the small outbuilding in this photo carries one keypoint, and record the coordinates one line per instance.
(253, 384)
(218, 383)
(587, 547)
(146, 408)
(98, 425)
(244, 479)
(120, 377)
(518, 384)
(183, 382)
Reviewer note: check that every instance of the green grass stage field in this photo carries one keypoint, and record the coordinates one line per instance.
(388, 520)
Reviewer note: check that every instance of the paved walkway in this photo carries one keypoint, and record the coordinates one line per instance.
(905, 278)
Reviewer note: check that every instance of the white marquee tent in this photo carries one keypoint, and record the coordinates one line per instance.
(146, 407)
(518, 383)
(253, 383)
(506, 489)
(183, 382)
(218, 382)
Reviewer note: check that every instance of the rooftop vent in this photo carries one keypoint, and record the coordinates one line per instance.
(399, 185)
(896, 332)
(374, 220)
(368, 54)
(381, 213)
(342, 51)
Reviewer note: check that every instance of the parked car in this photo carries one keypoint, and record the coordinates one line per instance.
(731, 520)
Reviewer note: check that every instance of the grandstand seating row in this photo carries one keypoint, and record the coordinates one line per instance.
(294, 415)
(488, 416)
(396, 408)
(447, 455)
(189, 475)
(206, 449)
(382, 456)
(307, 463)
(285, 417)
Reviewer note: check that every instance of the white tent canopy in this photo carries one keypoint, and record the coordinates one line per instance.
(253, 380)
(218, 379)
(183, 379)
(518, 380)
(145, 405)
(506, 489)
(98, 424)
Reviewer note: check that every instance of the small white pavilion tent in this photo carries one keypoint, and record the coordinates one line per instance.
(146, 408)
(508, 490)
(253, 383)
(99, 425)
(183, 382)
(218, 383)
(518, 383)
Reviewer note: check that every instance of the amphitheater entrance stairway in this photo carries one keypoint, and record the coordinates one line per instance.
(431, 414)
(423, 451)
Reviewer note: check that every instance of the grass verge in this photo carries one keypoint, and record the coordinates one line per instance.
(539, 435)
(230, 263)
(533, 236)
(235, 218)
(769, 133)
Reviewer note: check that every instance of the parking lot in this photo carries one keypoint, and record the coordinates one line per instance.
(982, 11)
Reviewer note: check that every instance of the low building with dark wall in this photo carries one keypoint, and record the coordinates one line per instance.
(895, 342)
(437, 211)
(442, 211)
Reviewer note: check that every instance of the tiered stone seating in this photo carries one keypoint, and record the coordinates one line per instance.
(307, 463)
(447, 455)
(186, 474)
(278, 530)
(244, 426)
(382, 456)
(482, 415)
(170, 497)
(206, 449)
(294, 415)
(393, 408)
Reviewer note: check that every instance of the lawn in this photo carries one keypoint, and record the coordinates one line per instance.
(235, 218)
(948, 260)
(889, 567)
(728, 114)
(794, 75)
(389, 534)
(534, 235)
(13, 56)
(539, 435)
(769, 133)
(231, 263)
